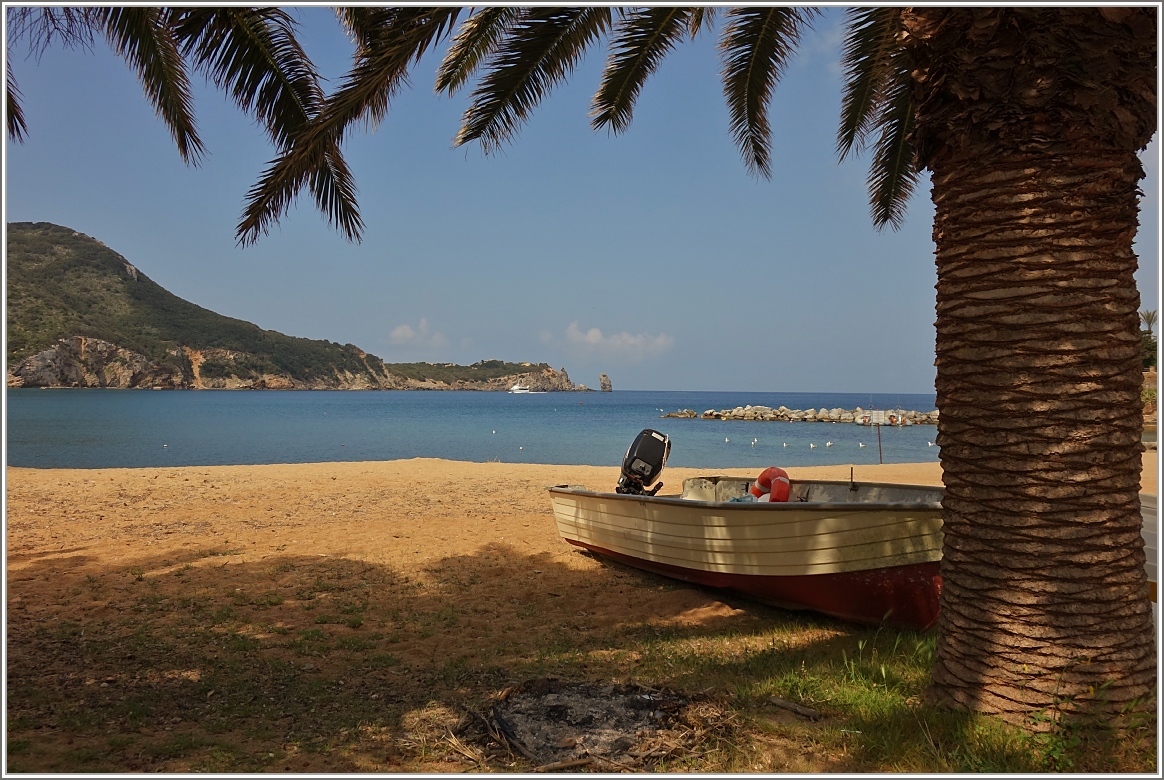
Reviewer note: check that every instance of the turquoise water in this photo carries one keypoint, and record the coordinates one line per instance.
(140, 428)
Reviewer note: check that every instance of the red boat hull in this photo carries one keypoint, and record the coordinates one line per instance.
(900, 596)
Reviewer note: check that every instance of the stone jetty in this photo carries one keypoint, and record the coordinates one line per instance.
(784, 414)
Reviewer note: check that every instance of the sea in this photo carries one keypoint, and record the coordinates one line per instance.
(93, 428)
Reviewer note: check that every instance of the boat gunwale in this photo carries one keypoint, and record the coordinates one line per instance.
(749, 506)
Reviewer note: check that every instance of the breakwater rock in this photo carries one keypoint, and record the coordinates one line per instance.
(784, 414)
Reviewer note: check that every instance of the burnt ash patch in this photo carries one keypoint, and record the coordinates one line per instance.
(559, 725)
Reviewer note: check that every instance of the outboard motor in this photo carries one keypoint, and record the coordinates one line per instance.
(643, 463)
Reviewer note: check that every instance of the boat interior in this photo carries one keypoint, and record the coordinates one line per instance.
(724, 488)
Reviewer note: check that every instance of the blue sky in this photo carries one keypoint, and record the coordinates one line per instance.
(652, 256)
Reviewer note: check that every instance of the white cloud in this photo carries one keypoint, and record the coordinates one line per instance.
(623, 345)
(421, 336)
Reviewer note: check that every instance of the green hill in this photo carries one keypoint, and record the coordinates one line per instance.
(80, 314)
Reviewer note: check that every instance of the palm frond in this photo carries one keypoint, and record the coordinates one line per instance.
(388, 42)
(642, 38)
(893, 171)
(478, 38)
(321, 168)
(755, 46)
(17, 128)
(541, 49)
(868, 62)
(361, 22)
(41, 27)
(701, 18)
(252, 55)
(334, 188)
(144, 38)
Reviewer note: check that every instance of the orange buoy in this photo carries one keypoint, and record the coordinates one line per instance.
(771, 485)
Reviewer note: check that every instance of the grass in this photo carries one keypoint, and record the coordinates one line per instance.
(223, 670)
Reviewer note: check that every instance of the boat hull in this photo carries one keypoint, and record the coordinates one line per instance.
(865, 553)
(868, 554)
(901, 596)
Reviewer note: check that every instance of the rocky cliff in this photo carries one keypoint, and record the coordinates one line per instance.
(80, 361)
(88, 362)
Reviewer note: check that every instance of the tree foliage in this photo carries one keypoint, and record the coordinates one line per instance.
(250, 54)
(517, 54)
(1148, 317)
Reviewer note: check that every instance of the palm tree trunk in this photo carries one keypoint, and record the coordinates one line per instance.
(1045, 603)
(1045, 598)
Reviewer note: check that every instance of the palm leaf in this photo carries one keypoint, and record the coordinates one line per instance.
(73, 27)
(893, 171)
(641, 40)
(388, 42)
(252, 55)
(144, 38)
(334, 188)
(541, 49)
(361, 22)
(321, 168)
(755, 46)
(17, 128)
(478, 38)
(700, 18)
(868, 62)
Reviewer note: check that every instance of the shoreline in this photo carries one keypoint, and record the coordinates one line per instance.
(921, 472)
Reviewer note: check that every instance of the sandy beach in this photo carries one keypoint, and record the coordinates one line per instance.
(122, 581)
(398, 514)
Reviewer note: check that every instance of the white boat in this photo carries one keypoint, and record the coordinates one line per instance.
(520, 388)
(858, 551)
(864, 552)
